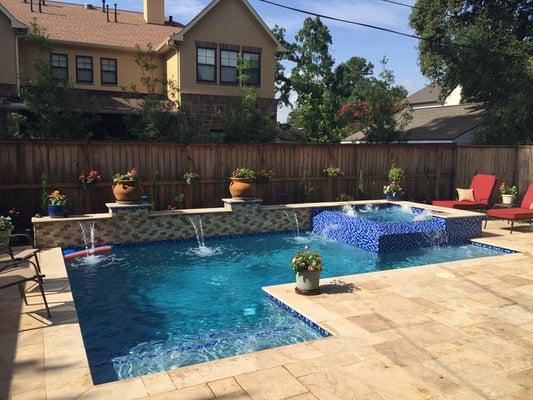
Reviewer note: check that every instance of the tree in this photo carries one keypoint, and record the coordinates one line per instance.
(160, 117)
(49, 113)
(375, 105)
(486, 47)
(283, 82)
(312, 79)
(243, 119)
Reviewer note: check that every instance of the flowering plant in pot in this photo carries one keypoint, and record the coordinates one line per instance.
(307, 265)
(191, 177)
(242, 183)
(89, 178)
(332, 171)
(508, 193)
(264, 175)
(58, 205)
(6, 227)
(127, 187)
(394, 191)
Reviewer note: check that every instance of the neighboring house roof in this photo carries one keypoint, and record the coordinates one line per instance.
(428, 95)
(180, 35)
(445, 123)
(66, 22)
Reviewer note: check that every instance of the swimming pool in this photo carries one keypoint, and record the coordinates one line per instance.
(159, 306)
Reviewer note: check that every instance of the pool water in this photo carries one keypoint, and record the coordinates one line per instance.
(161, 306)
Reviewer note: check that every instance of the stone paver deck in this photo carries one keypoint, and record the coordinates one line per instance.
(456, 331)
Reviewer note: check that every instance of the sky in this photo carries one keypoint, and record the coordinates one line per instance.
(348, 40)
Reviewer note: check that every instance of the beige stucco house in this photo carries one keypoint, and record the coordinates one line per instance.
(94, 45)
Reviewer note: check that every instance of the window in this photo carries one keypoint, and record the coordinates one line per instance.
(253, 70)
(84, 69)
(108, 70)
(205, 65)
(228, 66)
(59, 65)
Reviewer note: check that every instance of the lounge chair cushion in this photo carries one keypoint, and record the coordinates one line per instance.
(462, 205)
(527, 201)
(483, 186)
(511, 213)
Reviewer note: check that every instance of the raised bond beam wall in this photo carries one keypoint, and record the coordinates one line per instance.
(138, 224)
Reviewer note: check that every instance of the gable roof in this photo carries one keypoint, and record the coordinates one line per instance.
(180, 35)
(73, 23)
(427, 95)
(15, 23)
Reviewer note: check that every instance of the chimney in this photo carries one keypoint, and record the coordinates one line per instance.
(154, 12)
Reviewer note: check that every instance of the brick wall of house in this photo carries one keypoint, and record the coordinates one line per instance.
(205, 110)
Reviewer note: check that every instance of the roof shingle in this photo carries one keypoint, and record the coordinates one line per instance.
(75, 23)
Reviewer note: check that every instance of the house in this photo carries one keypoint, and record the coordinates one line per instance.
(94, 47)
(436, 120)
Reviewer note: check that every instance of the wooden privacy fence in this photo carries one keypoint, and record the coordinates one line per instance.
(432, 170)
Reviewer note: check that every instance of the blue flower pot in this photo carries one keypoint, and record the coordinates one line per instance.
(393, 197)
(57, 211)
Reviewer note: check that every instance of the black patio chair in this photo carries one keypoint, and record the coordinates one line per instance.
(19, 272)
(12, 253)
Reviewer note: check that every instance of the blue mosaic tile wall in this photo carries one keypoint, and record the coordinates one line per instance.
(380, 237)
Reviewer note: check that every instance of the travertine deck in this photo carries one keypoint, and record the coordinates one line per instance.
(461, 331)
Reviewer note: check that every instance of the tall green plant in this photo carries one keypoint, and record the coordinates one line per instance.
(153, 190)
(45, 191)
(160, 117)
(304, 189)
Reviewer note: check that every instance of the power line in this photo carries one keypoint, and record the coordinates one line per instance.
(398, 3)
(395, 32)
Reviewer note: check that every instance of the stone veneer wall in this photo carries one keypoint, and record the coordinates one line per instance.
(205, 110)
(139, 224)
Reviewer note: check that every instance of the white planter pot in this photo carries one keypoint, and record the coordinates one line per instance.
(507, 199)
(4, 238)
(308, 282)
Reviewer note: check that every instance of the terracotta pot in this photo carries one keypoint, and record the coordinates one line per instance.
(308, 282)
(127, 192)
(241, 188)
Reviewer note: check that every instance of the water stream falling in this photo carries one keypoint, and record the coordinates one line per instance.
(87, 234)
(296, 222)
(349, 211)
(202, 250)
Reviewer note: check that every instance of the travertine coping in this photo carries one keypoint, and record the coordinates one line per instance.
(440, 212)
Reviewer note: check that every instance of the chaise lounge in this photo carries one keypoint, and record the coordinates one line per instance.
(482, 186)
(524, 212)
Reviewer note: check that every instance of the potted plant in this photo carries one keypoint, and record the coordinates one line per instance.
(58, 205)
(191, 177)
(242, 183)
(393, 191)
(508, 193)
(6, 227)
(264, 175)
(127, 187)
(89, 178)
(307, 265)
(332, 171)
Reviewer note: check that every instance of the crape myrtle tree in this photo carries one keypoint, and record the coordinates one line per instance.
(325, 95)
(53, 109)
(486, 47)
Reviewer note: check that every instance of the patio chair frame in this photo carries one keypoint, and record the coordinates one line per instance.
(37, 278)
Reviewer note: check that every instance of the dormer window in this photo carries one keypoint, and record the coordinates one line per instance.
(84, 69)
(59, 66)
(206, 64)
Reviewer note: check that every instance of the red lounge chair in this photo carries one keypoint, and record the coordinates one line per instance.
(515, 213)
(483, 186)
